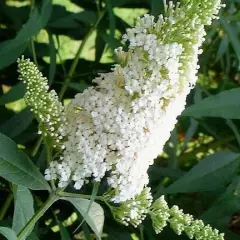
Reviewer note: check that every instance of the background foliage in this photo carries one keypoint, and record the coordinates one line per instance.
(200, 166)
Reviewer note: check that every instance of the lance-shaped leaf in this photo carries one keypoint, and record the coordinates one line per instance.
(11, 49)
(225, 104)
(23, 209)
(212, 172)
(94, 217)
(17, 168)
(17, 124)
(8, 233)
(15, 93)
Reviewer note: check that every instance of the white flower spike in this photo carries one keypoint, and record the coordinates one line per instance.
(122, 124)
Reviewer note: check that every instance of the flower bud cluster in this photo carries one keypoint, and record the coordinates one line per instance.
(161, 214)
(122, 124)
(43, 103)
(135, 210)
(179, 220)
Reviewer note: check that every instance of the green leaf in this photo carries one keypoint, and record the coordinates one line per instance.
(231, 32)
(95, 216)
(224, 208)
(225, 104)
(15, 93)
(226, 205)
(112, 19)
(171, 150)
(8, 233)
(113, 43)
(23, 209)
(122, 3)
(63, 232)
(234, 129)
(79, 87)
(117, 232)
(38, 20)
(157, 172)
(11, 49)
(32, 236)
(87, 233)
(17, 15)
(193, 123)
(92, 198)
(190, 132)
(157, 7)
(17, 168)
(212, 172)
(71, 20)
(17, 124)
(222, 47)
(99, 46)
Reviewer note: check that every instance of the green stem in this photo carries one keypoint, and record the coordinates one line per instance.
(49, 159)
(29, 226)
(32, 3)
(77, 195)
(5, 206)
(37, 146)
(165, 5)
(141, 232)
(76, 59)
(34, 52)
(49, 152)
(39, 141)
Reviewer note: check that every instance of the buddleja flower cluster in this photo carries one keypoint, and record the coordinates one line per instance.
(121, 125)
(43, 103)
(118, 127)
(161, 214)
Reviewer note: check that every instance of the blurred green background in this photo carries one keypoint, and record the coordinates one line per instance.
(50, 33)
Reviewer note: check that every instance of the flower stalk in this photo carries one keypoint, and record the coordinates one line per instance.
(78, 54)
(30, 225)
(5, 206)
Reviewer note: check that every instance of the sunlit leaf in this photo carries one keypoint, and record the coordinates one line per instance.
(11, 49)
(95, 215)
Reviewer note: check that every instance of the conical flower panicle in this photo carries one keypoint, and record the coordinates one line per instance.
(123, 123)
(159, 214)
(43, 103)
